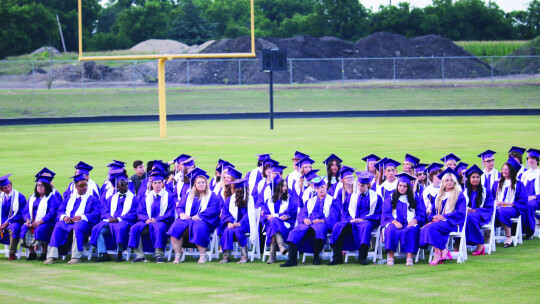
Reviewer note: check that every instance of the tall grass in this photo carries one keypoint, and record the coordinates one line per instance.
(491, 48)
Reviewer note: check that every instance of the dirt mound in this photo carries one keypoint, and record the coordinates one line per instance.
(160, 46)
(522, 65)
(50, 49)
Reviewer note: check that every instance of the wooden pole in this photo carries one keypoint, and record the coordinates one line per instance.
(61, 35)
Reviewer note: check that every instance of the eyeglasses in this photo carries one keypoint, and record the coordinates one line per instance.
(421, 173)
(489, 160)
(81, 186)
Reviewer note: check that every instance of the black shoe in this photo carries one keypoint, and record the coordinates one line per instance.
(529, 236)
(160, 260)
(119, 257)
(289, 263)
(334, 262)
(363, 262)
(140, 260)
(43, 256)
(104, 258)
(506, 245)
(32, 256)
(316, 261)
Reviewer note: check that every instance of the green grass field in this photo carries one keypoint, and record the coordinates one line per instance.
(73, 103)
(507, 276)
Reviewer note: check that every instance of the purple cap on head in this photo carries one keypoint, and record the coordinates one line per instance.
(461, 166)
(157, 175)
(78, 177)
(299, 155)
(197, 172)
(45, 172)
(264, 156)
(371, 157)
(420, 168)
(405, 178)
(486, 154)
(412, 159)
(83, 168)
(115, 165)
(241, 183)
(473, 169)
(517, 149)
(310, 175)
(332, 157)
(278, 168)
(380, 164)
(44, 179)
(117, 176)
(534, 152)
(270, 162)
(364, 177)
(223, 166)
(234, 173)
(159, 165)
(318, 182)
(512, 162)
(448, 171)
(190, 162)
(434, 167)
(181, 158)
(450, 156)
(4, 180)
(391, 163)
(304, 161)
(346, 171)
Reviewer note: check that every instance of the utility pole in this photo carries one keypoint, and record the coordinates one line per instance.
(61, 35)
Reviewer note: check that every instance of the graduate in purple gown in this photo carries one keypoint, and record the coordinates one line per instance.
(421, 181)
(278, 216)
(346, 185)
(480, 208)
(490, 175)
(108, 188)
(316, 219)
(183, 187)
(300, 186)
(118, 214)
(179, 166)
(82, 168)
(361, 213)
(146, 184)
(531, 180)
(77, 214)
(256, 175)
(460, 170)
(510, 198)
(216, 181)
(429, 195)
(386, 188)
(45, 172)
(409, 163)
(40, 217)
(450, 211)
(333, 167)
(156, 214)
(236, 220)
(517, 154)
(371, 161)
(198, 217)
(402, 216)
(450, 161)
(260, 187)
(276, 171)
(308, 188)
(12, 204)
(295, 175)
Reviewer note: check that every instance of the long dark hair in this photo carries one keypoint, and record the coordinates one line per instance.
(513, 178)
(48, 189)
(264, 170)
(240, 201)
(279, 193)
(229, 190)
(410, 197)
(329, 171)
(479, 191)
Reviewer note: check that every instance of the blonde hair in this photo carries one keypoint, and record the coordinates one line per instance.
(193, 190)
(454, 194)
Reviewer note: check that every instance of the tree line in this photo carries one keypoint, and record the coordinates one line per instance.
(119, 24)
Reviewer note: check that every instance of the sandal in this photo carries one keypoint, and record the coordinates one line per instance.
(202, 258)
(409, 262)
(506, 245)
(436, 263)
(390, 262)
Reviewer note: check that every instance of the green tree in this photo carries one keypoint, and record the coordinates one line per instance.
(345, 19)
(189, 26)
(400, 19)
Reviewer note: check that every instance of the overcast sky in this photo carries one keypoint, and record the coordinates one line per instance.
(505, 5)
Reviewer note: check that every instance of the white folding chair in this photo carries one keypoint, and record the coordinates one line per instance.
(491, 228)
(537, 230)
(211, 251)
(326, 253)
(375, 254)
(517, 238)
(5, 251)
(461, 254)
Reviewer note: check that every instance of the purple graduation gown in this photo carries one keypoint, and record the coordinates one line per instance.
(228, 235)
(297, 235)
(505, 214)
(119, 231)
(276, 225)
(16, 220)
(407, 237)
(482, 216)
(199, 231)
(158, 230)
(42, 232)
(361, 232)
(82, 228)
(528, 219)
(437, 233)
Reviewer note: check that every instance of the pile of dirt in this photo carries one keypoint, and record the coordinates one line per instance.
(522, 65)
(162, 46)
(50, 49)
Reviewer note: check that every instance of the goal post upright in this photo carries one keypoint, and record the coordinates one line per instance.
(164, 57)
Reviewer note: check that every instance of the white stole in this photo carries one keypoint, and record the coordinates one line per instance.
(14, 203)
(71, 204)
(253, 177)
(202, 205)
(532, 175)
(467, 199)
(284, 205)
(42, 207)
(510, 195)
(326, 207)
(127, 203)
(353, 203)
(163, 204)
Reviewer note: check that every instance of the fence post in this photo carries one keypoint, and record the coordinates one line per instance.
(442, 70)
(239, 72)
(33, 79)
(342, 73)
(394, 59)
(187, 61)
(133, 76)
(491, 69)
(290, 71)
(82, 76)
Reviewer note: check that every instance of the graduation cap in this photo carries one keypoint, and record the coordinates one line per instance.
(379, 165)
(364, 177)
(486, 154)
(223, 166)
(157, 175)
(278, 168)
(461, 166)
(45, 172)
(534, 152)
(332, 157)
(512, 162)
(310, 175)
(391, 163)
(371, 157)
(197, 172)
(83, 167)
(117, 176)
(270, 162)
(450, 156)
(318, 182)
(234, 173)
(274, 183)
(78, 177)
(116, 165)
(181, 158)
(346, 171)
(241, 183)
(304, 161)
(420, 167)
(434, 167)
(517, 149)
(159, 165)
(405, 178)
(299, 155)
(473, 169)
(448, 171)
(44, 179)
(264, 156)
(4, 180)
(412, 159)
(190, 162)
